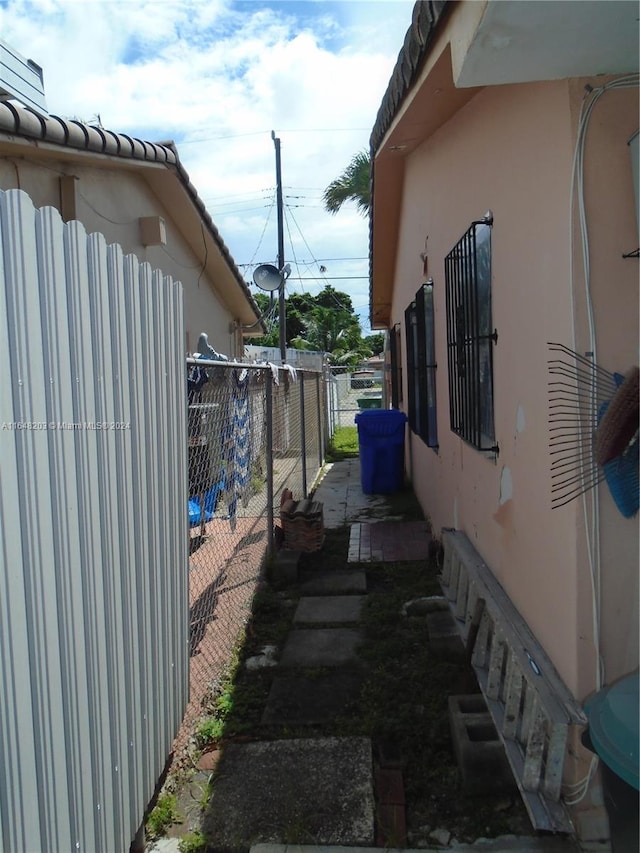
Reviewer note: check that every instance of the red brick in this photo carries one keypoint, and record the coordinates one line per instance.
(209, 760)
(391, 827)
(389, 786)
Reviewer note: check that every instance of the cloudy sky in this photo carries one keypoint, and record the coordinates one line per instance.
(217, 76)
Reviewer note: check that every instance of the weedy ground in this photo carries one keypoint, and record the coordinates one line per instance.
(404, 694)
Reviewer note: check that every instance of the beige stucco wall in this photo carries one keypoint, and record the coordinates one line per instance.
(510, 150)
(111, 200)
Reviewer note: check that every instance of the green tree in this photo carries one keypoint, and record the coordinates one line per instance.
(352, 185)
(325, 322)
(375, 343)
(298, 307)
(334, 299)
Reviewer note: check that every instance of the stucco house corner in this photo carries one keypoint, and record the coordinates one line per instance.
(504, 234)
(139, 195)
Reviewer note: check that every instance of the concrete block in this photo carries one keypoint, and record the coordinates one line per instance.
(478, 749)
(285, 567)
(592, 824)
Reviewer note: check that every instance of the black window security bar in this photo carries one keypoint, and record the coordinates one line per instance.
(421, 365)
(426, 327)
(411, 337)
(396, 366)
(470, 339)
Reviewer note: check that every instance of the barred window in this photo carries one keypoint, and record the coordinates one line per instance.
(421, 365)
(470, 339)
(396, 366)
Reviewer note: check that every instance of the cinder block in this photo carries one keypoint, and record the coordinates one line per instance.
(592, 824)
(285, 567)
(478, 749)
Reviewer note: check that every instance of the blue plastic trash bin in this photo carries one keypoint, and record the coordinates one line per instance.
(381, 445)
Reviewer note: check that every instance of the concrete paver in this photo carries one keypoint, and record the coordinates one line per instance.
(335, 583)
(328, 609)
(503, 844)
(321, 790)
(314, 647)
(311, 788)
(342, 495)
(300, 700)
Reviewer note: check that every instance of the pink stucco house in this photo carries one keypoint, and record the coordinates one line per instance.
(503, 232)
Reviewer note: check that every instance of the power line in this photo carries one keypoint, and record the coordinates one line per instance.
(241, 201)
(333, 277)
(220, 213)
(316, 260)
(257, 249)
(260, 132)
(246, 192)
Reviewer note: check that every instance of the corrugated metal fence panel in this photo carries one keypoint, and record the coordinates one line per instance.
(93, 533)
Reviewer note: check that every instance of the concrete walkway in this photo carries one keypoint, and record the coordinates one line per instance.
(341, 494)
(324, 788)
(506, 844)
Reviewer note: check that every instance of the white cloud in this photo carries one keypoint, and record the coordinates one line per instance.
(216, 76)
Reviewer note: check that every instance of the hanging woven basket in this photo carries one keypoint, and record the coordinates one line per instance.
(619, 424)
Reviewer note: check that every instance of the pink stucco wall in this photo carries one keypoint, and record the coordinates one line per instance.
(510, 149)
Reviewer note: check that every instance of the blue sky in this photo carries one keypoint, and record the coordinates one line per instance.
(217, 76)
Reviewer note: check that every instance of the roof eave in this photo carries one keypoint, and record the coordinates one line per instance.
(427, 19)
(58, 137)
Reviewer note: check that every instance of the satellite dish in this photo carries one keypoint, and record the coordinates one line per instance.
(267, 277)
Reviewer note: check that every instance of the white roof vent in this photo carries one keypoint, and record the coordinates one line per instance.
(21, 79)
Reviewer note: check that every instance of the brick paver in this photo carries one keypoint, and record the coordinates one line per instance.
(389, 541)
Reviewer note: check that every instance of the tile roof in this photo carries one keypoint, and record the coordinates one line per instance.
(23, 121)
(417, 43)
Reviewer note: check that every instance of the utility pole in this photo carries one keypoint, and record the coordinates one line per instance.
(279, 206)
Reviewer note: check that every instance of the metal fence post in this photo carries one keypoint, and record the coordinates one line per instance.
(320, 420)
(269, 459)
(303, 438)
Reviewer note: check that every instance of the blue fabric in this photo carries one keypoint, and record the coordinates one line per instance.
(210, 501)
(238, 446)
(621, 473)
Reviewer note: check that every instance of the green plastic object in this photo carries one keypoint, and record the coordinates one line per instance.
(613, 727)
(370, 402)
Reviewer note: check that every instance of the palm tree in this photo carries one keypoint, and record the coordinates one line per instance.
(352, 185)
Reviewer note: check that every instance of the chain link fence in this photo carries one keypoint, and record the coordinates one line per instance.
(347, 391)
(253, 430)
